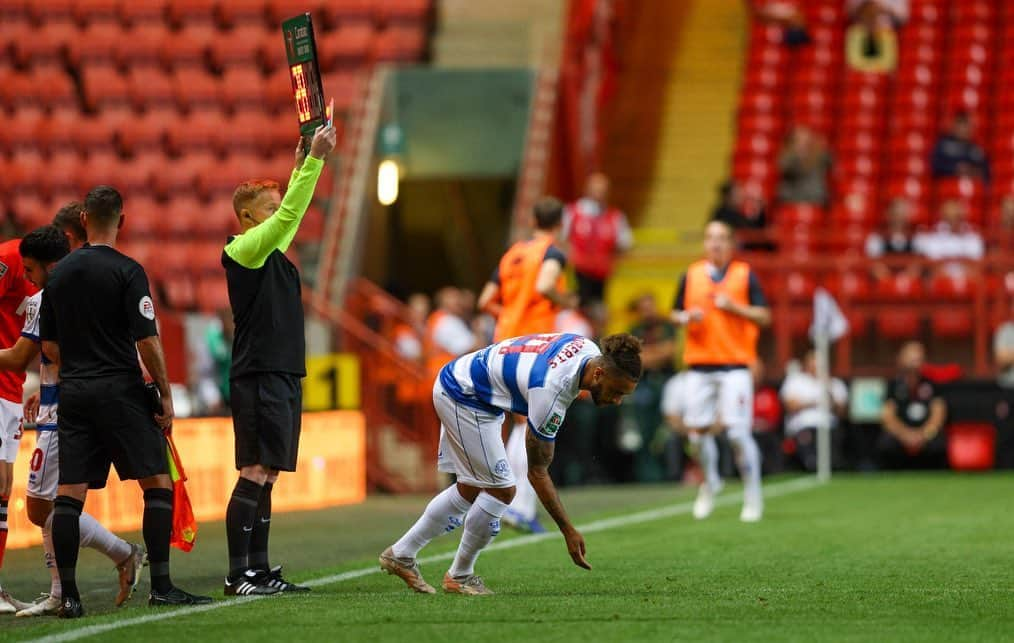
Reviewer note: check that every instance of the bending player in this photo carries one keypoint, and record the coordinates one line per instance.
(720, 302)
(537, 376)
(526, 294)
(40, 250)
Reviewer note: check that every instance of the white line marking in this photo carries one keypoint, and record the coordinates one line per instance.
(770, 491)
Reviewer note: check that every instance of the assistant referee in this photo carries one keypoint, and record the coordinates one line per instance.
(96, 317)
(268, 361)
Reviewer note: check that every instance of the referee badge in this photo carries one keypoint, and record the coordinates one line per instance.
(146, 308)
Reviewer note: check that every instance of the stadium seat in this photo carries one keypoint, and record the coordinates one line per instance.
(399, 43)
(144, 132)
(21, 128)
(180, 292)
(195, 88)
(243, 46)
(898, 324)
(150, 87)
(97, 43)
(971, 446)
(212, 294)
(951, 323)
(192, 12)
(237, 12)
(44, 44)
(346, 45)
(241, 85)
(138, 13)
(188, 47)
(103, 86)
(142, 215)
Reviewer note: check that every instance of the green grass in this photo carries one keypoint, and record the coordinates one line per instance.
(901, 558)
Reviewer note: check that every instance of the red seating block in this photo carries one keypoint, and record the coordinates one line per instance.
(971, 446)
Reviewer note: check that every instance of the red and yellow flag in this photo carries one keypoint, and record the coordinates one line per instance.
(184, 524)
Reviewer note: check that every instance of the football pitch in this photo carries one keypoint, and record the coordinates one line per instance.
(865, 558)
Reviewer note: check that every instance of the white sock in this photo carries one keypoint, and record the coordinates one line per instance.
(482, 524)
(517, 456)
(55, 589)
(707, 456)
(748, 459)
(443, 515)
(94, 535)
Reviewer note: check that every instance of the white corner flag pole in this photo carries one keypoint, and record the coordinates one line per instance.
(829, 325)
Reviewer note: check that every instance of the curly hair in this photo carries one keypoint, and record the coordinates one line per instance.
(623, 354)
(47, 244)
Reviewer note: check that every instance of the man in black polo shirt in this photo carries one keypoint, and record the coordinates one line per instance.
(268, 361)
(96, 316)
(913, 417)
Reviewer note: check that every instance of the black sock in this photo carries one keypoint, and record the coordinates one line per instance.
(239, 520)
(261, 528)
(157, 528)
(66, 541)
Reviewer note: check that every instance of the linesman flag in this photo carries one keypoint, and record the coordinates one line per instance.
(184, 524)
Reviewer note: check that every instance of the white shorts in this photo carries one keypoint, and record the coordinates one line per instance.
(714, 395)
(10, 430)
(471, 443)
(44, 467)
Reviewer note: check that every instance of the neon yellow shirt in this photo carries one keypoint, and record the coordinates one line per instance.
(253, 247)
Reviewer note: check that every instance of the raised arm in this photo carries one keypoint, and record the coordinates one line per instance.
(252, 248)
(540, 455)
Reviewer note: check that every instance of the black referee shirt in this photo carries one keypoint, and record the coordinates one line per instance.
(96, 305)
(267, 307)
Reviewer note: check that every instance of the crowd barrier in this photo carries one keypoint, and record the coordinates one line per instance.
(331, 472)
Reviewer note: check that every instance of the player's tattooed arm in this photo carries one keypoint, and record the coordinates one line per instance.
(540, 455)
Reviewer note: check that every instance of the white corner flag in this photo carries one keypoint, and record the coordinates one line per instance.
(828, 319)
(829, 325)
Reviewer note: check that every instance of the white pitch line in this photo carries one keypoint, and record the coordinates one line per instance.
(770, 491)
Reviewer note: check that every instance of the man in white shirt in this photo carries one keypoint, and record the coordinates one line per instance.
(952, 240)
(800, 394)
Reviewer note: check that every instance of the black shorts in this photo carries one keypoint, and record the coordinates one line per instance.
(105, 421)
(267, 413)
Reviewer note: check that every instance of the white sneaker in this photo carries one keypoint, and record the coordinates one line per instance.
(753, 509)
(705, 502)
(43, 606)
(11, 605)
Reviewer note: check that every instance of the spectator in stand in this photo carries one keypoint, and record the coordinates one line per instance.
(658, 352)
(447, 333)
(896, 239)
(597, 233)
(408, 336)
(787, 15)
(1003, 357)
(913, 417)
(893, 13)
(739, 207)
(804, 164)
(801, 392)
(952, 241)
(871, 44)
(956, 154)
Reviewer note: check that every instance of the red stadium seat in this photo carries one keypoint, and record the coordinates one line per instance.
(45, 43)
(348, 44)
(104, 86)
(242, 85)
(102, 168)
(951, 287)
(191, 12)
(206, 257)
(897, 324)
(188, 47)
(400, 43)
(97, 43)
(236, 12)
(971, 446)
(142, 215)
(196, 88)
(145, 132)
(150, 87)
(138, 13)
(852, 285)
(243, 46)
(951, 323)
(21, 129)
(212, 294)
(180, 292)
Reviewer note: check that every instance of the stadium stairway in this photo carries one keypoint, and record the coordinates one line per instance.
(493, 33)
(666, 177)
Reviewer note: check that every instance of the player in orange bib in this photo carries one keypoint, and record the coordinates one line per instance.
(525, 294)
(721, 304)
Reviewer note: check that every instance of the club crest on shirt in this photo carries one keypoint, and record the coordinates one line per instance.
(146, 308)
(501, 468)
(3, 269)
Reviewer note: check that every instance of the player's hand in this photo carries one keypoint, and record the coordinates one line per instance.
(722, 302)
(324, 140)
(300, 152)
(165, 420)
(575, 546)
(31, 410)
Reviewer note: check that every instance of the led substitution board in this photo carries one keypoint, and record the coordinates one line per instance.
(301, 49)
